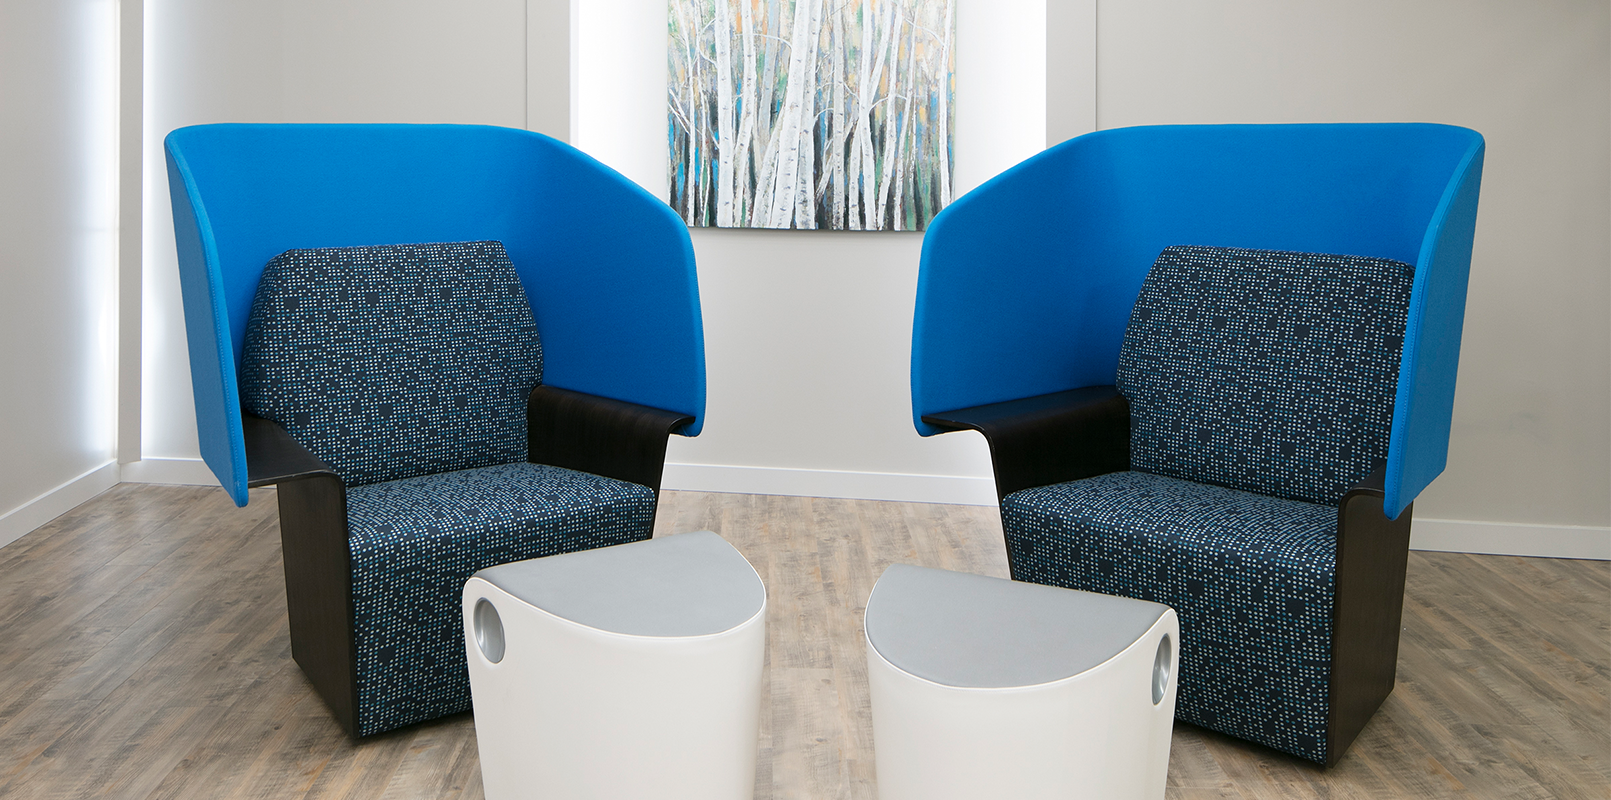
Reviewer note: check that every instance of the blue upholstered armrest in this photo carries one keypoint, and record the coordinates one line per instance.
(1424, 409)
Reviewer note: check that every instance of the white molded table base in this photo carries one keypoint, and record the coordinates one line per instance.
(1094, 734)
(573, 711)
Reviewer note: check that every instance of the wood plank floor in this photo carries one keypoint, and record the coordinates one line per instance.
(144, 653)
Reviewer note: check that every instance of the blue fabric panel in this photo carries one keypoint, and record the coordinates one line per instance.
(415, 542)
(395, 360)
(209, 342)
(1026, 283)
(1265, 371)
(1006, 305)
(1424, 409)
(1252, 578)
(608, 268)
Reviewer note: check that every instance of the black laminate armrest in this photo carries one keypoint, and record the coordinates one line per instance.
(588, 433)
(1049, 438)
(318, 565)
(1373, 485)
(1367, 610)
(272, 456)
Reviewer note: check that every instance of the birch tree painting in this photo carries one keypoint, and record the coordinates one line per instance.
(810, 113)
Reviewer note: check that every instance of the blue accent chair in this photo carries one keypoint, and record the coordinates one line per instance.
(1215, 365)
(449, 347)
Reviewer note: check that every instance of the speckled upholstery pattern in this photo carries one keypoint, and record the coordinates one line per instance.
(407, 368)
(1265, 371)
(395, 360)
(1249, 575)
(1261, 388)
(415, 542)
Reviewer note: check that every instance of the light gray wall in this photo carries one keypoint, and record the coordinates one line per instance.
(807, 342)
(58, 314)
(1531, 441)
(808, 333)
(549, 95)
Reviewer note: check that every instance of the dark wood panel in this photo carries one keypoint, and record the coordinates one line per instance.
(588, 433)
(318, 589)
(1367, 611)
(1049, 438)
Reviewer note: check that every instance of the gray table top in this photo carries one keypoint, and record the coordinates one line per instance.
(974, 631)
(690, 584)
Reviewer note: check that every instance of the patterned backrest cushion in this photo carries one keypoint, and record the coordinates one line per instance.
(1266, 371)
(396, 360)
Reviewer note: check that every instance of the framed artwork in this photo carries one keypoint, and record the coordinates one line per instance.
(812, 114)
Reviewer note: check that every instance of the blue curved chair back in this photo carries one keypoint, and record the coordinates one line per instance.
(1027, 282)
(607, 268)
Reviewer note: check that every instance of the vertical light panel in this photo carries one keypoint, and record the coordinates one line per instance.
(58, 317)
(130, 201)
(97, 257)
(1001, 86)
(621, 87)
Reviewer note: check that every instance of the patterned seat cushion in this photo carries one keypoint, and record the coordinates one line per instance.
(1251, 577)
(1267, 371)
(395, 360)
(414, 543)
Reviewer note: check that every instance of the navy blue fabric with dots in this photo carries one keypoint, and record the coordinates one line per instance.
(1249, 575)
(1266, 371)
(1261, 388)
(415, 542)
(395, 360)
(406, 368)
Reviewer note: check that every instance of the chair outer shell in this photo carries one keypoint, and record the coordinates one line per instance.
(607, 267)
(1026, 283)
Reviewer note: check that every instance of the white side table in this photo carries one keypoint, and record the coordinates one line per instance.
(620, 673)
(985, 687)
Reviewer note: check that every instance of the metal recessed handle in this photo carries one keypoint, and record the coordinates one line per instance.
(1160, 669)
(488, 630)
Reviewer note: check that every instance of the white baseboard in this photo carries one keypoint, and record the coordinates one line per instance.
(896, 486)
(1511, 539)
(25, 518)
(174, 471)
